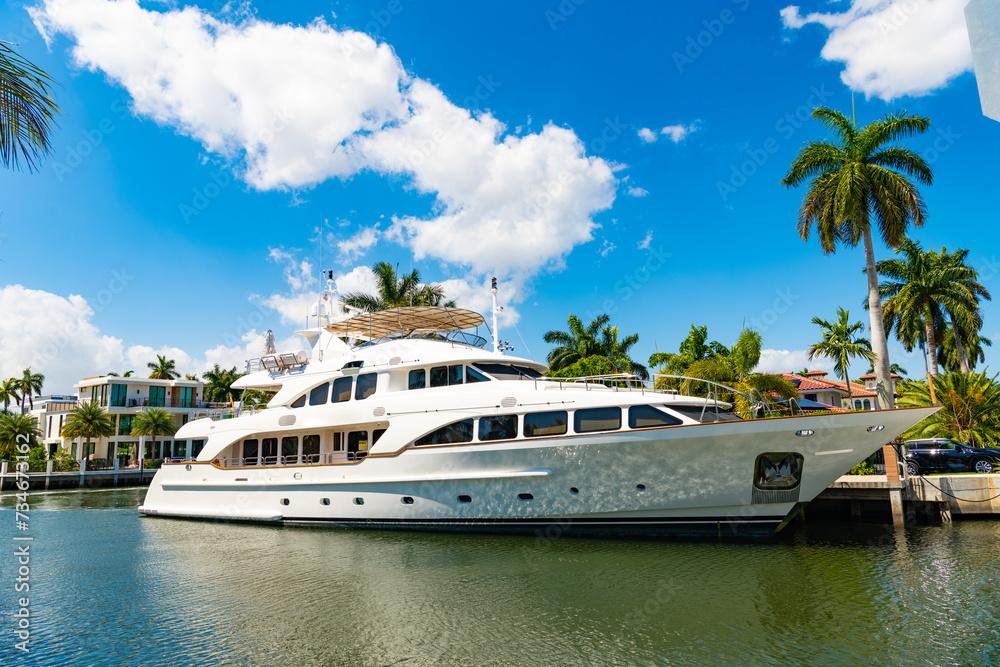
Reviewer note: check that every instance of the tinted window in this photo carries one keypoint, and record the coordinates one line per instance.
(319, 395)
(357, 441)
(366, 386)
(455, 374)
(341, 390)
(545, 423)
(704, 414)
(310, 444)
(529, 372)
(376, 434)
(250, 449)
(597, 419)
(645, 416)
(290, 445)
(439, 376)
(499, 427)
(269, 447)
(457, 432)
(472, 375)
(299, 402)
(502, 371)
(418, 379)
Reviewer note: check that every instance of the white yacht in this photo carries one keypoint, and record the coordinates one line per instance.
(403, 420)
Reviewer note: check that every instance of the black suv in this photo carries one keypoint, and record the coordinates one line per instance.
(943, 455)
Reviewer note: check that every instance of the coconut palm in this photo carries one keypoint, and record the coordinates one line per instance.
(854, 178)
(218, 384)
(9, 392)
(736, 369)
(162, 369)
(972, 352)
(841, 343)
(88, 420)
(15, 430)
(967, 279)
(617, 352)
(395, 291)
(970, 408)
(27, 110)
(576, 344)
(693, 348)
(29, 385)
(923, 286)
(153, 422)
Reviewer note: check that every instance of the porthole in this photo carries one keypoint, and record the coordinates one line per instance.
(359, 501)
(804, 432)
(297, 475)
(640, 487)
(465, 499)
(525, 496)
(876, 428)
(406, 500)
(324, 501)
(188, 466)
(574, 490)
(285, 501)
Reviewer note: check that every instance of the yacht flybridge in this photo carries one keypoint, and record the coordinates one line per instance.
(402, 420)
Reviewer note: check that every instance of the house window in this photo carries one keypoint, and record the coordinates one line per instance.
(868, 404)
(125, 424)
(186, 397)
(809, 397)
(118, 392)
(157, 395)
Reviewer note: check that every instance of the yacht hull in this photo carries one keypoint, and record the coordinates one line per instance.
(680, 481)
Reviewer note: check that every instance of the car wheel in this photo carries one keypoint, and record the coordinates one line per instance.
(912, 469)
(982, 466)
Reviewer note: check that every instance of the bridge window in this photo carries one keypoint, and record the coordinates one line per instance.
(439, 376)
(498, 427)
(418, 379)
(366, 386)
(545, 423)
(341, 390)
(318, 396)
(299, 402)
(472, 375)
(646, 416)
(455, 374)
(460, 431)
(597, 419)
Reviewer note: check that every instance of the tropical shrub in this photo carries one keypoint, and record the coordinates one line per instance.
(970, 408)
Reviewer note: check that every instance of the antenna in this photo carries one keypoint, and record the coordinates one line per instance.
(496, 311)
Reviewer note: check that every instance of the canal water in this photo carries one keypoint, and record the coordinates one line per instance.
(109, 587)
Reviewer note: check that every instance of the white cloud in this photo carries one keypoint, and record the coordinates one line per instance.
(647, 135)
(892, 48)
(360, 243)
(296, 105)
(637, 192)
(54, 336)
(607, 248)
(790, 361)
(644, 243)
(677, 132)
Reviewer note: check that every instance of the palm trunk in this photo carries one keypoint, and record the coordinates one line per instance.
(931, 340)
(883, 381)
(963, 357)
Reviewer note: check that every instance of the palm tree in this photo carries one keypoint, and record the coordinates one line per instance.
(970, 408)
(841, 343)
(29, 385)
(27, 110)
(923, 287)
(693, 348)
(8, 392)
(853, 178)
(163, 369)
(576, 344)
(616, 351)
(972, 352)
(153, 422)
(967, 279)
(218, 384)
(395, 291)
(88, 420)
(14, 429)
(736, 369)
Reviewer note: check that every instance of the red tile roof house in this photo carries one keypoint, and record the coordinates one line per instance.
(813, 386)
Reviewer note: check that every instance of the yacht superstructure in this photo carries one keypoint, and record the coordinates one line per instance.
(400, 419)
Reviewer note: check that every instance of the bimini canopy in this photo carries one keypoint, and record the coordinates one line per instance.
(407, 318)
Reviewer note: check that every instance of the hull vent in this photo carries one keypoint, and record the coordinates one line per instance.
(379, 412)
(761, 497)
(508, 402)
(286, 420)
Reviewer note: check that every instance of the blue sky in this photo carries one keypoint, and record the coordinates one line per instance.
(212, 159)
